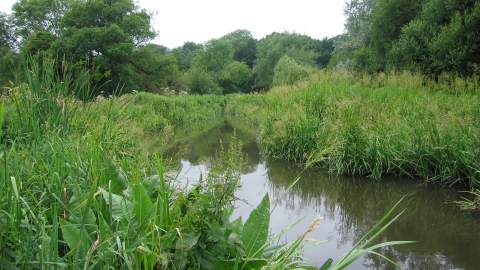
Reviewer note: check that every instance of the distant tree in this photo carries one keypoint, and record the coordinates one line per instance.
(105, 34)
(7, 35)
(8, 57)
(215, 56)
(31, 16)
(39, 42)
(275, 46)
(185, 54)
(201, 82)
(157, 70)
(237, 78)
(359, 15)
(288, 72)
(443, 39)
(244, 46)
(324, 48)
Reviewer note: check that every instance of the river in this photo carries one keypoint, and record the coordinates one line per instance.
(446, 238)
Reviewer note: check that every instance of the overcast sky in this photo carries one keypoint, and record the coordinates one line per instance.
(179, 21)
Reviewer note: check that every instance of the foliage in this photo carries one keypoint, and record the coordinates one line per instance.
(201, 82)
(429, 36)
(398, 124)
(237, 78)
(214, 57)
(288, 72)
(157, 69)
(106, 34)
(275, 46)
(185, 54)
(31, 16)
(244, 46)
(441, 40)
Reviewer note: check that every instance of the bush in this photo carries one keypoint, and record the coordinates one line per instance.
(288, 72)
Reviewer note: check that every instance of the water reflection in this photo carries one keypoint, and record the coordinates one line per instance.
(446, 238)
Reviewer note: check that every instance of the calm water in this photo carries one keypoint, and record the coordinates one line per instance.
(446, 238)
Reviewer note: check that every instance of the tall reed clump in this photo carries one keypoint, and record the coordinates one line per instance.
(47, 95)
(399, 124)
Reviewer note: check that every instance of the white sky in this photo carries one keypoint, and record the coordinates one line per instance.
(201, 20)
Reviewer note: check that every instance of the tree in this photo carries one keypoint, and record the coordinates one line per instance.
(244, 46)
(288, 71)
(443, 39)
(30, 16)
(358, 25)
(237, 78)
(215, 56)
(275, 46)
(105, 34)
(185, 54)
(201, 82)
(8, 57)
(156, 69)
(39, 42)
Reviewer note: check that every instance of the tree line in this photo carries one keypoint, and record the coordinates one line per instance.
(112, 38)
(433, 37)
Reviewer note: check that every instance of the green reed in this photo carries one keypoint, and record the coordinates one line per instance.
(398, 124)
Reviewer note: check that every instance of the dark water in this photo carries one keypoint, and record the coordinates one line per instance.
(446, 238)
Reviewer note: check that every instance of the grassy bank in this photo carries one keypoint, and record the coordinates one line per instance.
(400, 124)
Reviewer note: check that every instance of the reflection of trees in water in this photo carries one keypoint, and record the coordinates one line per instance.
(446, 237)
(207, 145)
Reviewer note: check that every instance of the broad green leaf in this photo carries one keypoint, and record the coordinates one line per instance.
(141, 203)
(255, 230)
(103, 227)
(75, 238)
(6, 264)
(121, 209)
(78, 213)
(117, 177)
(185, 242)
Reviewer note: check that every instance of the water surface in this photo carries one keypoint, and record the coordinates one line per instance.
(446, 238)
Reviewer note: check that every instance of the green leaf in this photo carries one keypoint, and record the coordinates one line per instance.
(327, 264)
(6, 264)
(79, 213)
(117, 177)
(76, 240)
(121, 209)
(141, 203)
(255, 230)
(185, 242)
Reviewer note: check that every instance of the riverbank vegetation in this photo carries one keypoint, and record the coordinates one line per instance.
(79, 192)
(84, 189)
(396, 124)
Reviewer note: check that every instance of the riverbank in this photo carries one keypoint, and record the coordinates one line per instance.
(398, 124)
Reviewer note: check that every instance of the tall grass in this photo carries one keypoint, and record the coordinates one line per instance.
(396, 124)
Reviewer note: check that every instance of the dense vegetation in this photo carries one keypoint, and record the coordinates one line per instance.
(81, 191)
(372, 126)
(112, 37)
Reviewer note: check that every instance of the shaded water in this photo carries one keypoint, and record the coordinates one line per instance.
(446, 237)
